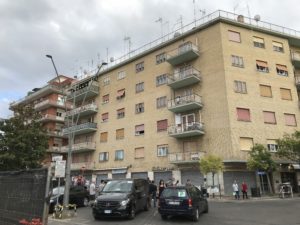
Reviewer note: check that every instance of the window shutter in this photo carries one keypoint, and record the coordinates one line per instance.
(285, 94)
(269, 117)
(290, 119)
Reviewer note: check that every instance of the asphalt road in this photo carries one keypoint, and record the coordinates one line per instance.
(260, 212)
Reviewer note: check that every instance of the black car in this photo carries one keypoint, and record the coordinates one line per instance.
(78, 195)
(181, 200)
(122, 198)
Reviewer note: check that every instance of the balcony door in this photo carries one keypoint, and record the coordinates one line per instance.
(187, 120)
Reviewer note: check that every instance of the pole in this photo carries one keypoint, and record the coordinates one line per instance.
(58, 190)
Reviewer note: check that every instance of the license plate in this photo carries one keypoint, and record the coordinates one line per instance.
(173, 203)
(107, 211)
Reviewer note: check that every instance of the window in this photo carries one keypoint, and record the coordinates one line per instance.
(103, 156)
(269, 117)
(243, 114)
(285, 94)
(246, 143)
(161, 102)
(139, 67)
(161, 79)
(234, 36)
(121, 75)
(262, 66)
(265, 91)
(106, 80)
(240, 87)
(139, 130)
(162, 125)
(103, 137)
(161, 58)
(237, 61)
(119, 154)
(139, 153)
(104, 117)
(277, 46)
(120, 113)
(139, 87)
(290, 119)
(139, 108)
(120, 134)
(258, 42)
(281, 70)
(162, 150)
(272, 145)
(121, 94)
(105, 99)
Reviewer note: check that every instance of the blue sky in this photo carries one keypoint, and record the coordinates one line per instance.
(79, 33)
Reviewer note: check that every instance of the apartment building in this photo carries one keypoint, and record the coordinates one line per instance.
(50, 102)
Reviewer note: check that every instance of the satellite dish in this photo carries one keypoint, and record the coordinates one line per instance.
(85, 72)
(257, 18)
(112, 59)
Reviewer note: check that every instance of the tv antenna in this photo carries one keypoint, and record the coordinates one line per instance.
(160, 20)
(127, 39)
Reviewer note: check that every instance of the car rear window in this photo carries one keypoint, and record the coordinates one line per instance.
(172, 192)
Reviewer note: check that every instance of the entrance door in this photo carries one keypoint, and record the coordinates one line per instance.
(187, 121)
(289, 177)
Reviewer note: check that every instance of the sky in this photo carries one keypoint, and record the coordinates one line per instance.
(80, 34)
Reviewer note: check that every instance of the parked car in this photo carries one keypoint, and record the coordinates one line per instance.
(122, 198)
(78, 195)
(182, 200)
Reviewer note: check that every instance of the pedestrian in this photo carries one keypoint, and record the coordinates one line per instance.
(244, 190)
(92, 190)
(101, 186)
(235, 188)
(171, 182)
(161, 187)
(188, 183)
(152, 192)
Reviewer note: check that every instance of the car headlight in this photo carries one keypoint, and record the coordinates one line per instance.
(124, 202)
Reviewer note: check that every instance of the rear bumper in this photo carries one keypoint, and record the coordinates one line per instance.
(174, 212)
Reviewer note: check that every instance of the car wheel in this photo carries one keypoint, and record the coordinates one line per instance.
(85, 202)
(196, 215)
(206, 209)
(131, 213)
(164, 217)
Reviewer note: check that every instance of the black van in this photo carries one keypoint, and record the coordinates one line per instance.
(122, 198)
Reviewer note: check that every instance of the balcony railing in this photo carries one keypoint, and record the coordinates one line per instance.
(186, 130)
(83, 110)
(54, 149)
(46, 90)
(54, 133)
(48, 102)
(89, 91)
(185, 103)
(296, 59)
(81, 128)
(82, 165)
(50, 117)
(297, 81)
(184, 78)
(185, 157)
(184, 53)
(80, 147)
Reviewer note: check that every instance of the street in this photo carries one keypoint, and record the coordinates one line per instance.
(250, 212)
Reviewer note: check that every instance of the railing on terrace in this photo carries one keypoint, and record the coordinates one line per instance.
(186, 127)
(181, 75)
(80, 109)
(182, 100)
(52, 102)
(94, 88)
(80, 146)
(82, 126)
(203, 21)
(183, 49)
(54, 133)
(185, 156)
(52, 117)
(82, 165)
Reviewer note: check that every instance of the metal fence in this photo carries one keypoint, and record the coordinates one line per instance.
(23, 196)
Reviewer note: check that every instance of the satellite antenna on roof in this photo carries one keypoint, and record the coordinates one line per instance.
(160, 20)
(257, 18)
(112, 59)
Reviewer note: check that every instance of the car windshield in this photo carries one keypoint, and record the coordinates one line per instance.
(118, 186)
(57, 190)
(174, 193)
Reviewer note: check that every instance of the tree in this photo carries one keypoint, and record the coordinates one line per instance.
(289, 147)
(23, 141)
(211, 164)
(261, 160)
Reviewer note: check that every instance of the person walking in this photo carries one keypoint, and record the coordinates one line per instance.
(92, 190)
(153, 191)
(244, 190)
(235, 188)
(188, 183)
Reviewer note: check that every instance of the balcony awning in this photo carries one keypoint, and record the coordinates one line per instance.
(281, 67)
(262, 63)
(120, 93)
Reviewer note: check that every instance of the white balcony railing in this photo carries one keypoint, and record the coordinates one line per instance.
(185, 156)
(52, 102)
(81, 109)
(183, 100)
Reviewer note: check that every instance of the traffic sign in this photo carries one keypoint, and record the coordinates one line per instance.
(60, 168)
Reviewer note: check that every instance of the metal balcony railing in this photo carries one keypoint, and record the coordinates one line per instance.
(181, 157)
(80, 128)
(184, 100)
(52, 117)
(295, 56)
(92, 89)
(181, 75)
(186, 129)
(52, 103)
(86, 108)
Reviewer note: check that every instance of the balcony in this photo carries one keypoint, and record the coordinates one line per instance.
(185, 53)
(54, 149)
(82, 165)
(186, 130)
(53, 133)
(39, 93)
(185, 157)
(185, 103)
(83, 128)
(296, 59)
(80, 147)
(184, 78)
(83, 110)
(89, 91)
(52, 118)
(52, 103)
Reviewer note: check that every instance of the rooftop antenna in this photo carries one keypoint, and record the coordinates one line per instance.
(106, 54)
(235, 7)
(127, 38)
(203, 12)
(194, 12)
(160, 20)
